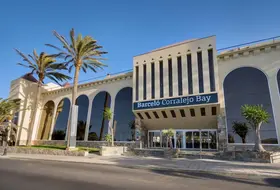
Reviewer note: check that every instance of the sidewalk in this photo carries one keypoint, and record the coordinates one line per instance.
(151, 163)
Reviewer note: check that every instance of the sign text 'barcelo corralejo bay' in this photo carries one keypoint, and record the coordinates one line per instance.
(179, 101)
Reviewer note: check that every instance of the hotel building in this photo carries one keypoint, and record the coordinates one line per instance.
(190, 87)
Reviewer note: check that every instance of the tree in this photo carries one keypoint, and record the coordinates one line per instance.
(8, 108)
(241, 129)
(256, 115)
(82, 53)
(42, 65)
(169, 134)
(108, 115)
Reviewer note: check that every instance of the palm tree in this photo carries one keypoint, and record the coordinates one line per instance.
(256, 115)
(8, 108)
(82, 53)
(241, 129)
(42, 65)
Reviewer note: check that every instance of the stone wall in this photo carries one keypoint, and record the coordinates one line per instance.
(92, 144)
(146, 152)
(27, 150)
(245, 147)
(249, 156)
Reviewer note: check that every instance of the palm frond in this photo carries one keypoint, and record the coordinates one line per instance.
(64, 42)
(25, 58)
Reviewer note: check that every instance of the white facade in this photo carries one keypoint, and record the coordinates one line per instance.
(186, 118)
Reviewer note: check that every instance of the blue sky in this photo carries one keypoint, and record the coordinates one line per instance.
(126, 28)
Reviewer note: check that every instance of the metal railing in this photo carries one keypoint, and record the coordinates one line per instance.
(93, 79)
(272, 39)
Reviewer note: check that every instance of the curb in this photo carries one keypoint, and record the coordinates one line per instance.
(160, 168)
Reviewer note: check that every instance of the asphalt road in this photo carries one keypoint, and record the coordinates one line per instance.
(50, 175)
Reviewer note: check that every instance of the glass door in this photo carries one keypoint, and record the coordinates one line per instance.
(196, 139)
(204, 140)
(213, 139)
(154, 139)
(189, 141)
(179, 139)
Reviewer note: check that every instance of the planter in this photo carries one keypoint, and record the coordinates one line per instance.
(112, 150)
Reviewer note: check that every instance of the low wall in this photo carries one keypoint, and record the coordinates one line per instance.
(245, 147)
(146, 152)
(28, 150)
(112, 150)
(92, 144)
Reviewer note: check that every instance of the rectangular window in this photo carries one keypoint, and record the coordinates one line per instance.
(164, 114)
(211, 70)
(137, 83)
(139, 114)
(155, 114)
(202, 111)
(148, 115)
(182, 113)
(144, 82)
(173, 113)
(161, 78)
(200, 72)
(190, 79)
(170, 77)
(180, 80)
(192, 112)
(153, 79)
(214, 111)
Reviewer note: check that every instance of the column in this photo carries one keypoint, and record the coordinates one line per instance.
(165, 78)
(185, 84)
(53, 120)
(175, 75)
(195, 73)
(157, 80)
(112, 107)
(88, 119)
(205, 70)
(148, 81)
(275, 101)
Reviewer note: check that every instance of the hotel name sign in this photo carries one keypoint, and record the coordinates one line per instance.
(179, 101)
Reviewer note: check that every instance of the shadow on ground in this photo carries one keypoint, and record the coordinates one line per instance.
(251, 180)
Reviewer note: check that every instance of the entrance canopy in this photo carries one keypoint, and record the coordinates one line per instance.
(190, 117)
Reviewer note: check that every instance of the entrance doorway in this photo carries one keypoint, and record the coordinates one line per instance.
(194, 139)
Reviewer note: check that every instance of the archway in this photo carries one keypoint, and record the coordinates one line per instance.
(98, 125)
(124, 116)
(46, 121)
(82, 101)
(248, 85)
(61, 119)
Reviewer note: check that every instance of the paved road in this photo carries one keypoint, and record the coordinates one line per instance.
(51, 175)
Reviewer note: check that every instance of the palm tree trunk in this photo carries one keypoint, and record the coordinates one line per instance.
(103, 119)
(243, 140)
(74, 97)
(258, 146)
(30, 132)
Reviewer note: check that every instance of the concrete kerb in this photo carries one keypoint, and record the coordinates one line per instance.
(150, 168)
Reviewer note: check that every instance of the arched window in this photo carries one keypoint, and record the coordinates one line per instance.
(82, 101)
(248, 85)
(125, 129)
(61, 119)
(99, 125)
